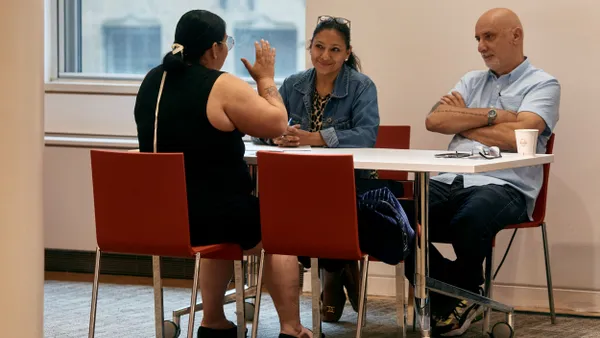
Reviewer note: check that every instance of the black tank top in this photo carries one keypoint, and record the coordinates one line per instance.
(214, 160)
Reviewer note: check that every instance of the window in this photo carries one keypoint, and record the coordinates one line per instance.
(131, 46)
(279, 34)
(116, 39)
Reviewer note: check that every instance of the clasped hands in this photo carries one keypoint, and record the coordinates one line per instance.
(293, 137)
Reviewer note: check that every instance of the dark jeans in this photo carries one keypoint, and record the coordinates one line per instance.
(469, 219)
(374, 238)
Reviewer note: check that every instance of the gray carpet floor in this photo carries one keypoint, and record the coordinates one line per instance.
(127, 311)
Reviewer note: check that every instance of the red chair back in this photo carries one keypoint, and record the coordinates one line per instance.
(539, 212)
(308, 205)
(393, 137)
(140, 203)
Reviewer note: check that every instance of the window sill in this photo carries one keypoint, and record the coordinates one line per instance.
(90, 141)
(127, 88)
(96, 141)
(108, 87)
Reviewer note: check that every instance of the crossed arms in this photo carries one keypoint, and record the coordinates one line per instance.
(451, 116)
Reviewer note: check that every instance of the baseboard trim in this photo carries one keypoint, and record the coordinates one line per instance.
(522, 298)
(56, 260)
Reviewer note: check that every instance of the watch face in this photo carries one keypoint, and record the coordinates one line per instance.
(491, 116)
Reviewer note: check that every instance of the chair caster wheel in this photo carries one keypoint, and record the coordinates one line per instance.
(502, 330)
(249, 311)
(170, 329)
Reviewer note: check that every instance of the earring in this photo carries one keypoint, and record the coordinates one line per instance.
(346, 60)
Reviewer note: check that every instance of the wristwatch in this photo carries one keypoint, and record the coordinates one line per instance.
(491, 116)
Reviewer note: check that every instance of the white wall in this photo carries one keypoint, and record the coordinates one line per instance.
(415, 51)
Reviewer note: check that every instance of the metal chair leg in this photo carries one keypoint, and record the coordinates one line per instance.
(548, 275)
(400, 300)
(487, 314)
(316, 297)
(510, 319)
(258, 295)
(411, 300)
(158, 297)
(362, 296)
(192, 315)
(250, 268)
(92, 328)
(366, 281)
(239, 298)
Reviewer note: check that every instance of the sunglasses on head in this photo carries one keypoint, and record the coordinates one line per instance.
(342, 21)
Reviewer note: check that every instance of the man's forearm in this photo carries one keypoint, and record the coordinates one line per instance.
(451, 120)
(501, 135)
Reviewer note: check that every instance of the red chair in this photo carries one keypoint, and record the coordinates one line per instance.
(539, 216)
(298, 219)
(395, 137)
(141, 208)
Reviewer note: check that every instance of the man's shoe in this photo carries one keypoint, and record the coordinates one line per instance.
(333, 298)
(351, 281)
(459, 320)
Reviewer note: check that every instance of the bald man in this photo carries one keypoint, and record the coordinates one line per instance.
(483, 110)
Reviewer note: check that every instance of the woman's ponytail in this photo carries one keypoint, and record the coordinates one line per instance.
(353, 62)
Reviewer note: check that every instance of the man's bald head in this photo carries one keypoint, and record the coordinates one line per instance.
(503, 18)
(500, 36)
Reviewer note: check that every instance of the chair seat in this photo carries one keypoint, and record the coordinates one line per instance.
(533, 224)
(225, 251)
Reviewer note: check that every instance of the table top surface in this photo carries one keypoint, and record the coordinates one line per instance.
(413, 160)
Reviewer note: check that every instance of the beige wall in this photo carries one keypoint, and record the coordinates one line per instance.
(416, 51)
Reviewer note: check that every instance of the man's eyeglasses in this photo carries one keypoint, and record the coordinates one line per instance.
(342, 21)
(230, 42)
(490, 153)
(485, 152)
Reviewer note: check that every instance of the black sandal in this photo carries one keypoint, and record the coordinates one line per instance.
(205, 332)
(283, 335)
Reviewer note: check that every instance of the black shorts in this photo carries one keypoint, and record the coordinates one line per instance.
(231, 219)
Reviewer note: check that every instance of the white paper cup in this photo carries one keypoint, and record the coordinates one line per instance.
(526, 141)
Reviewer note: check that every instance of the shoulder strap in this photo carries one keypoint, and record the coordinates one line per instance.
(160, 90)
(175, 48)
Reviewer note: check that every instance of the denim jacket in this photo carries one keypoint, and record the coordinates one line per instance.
(351, 117)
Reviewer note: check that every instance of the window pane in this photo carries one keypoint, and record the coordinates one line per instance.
(116, 38)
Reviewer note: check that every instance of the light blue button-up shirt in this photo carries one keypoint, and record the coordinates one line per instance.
(525, 89)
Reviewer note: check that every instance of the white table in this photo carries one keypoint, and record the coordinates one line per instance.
(423, 163)
(414, 160)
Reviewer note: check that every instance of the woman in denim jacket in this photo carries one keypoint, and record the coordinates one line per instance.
(332, 105)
